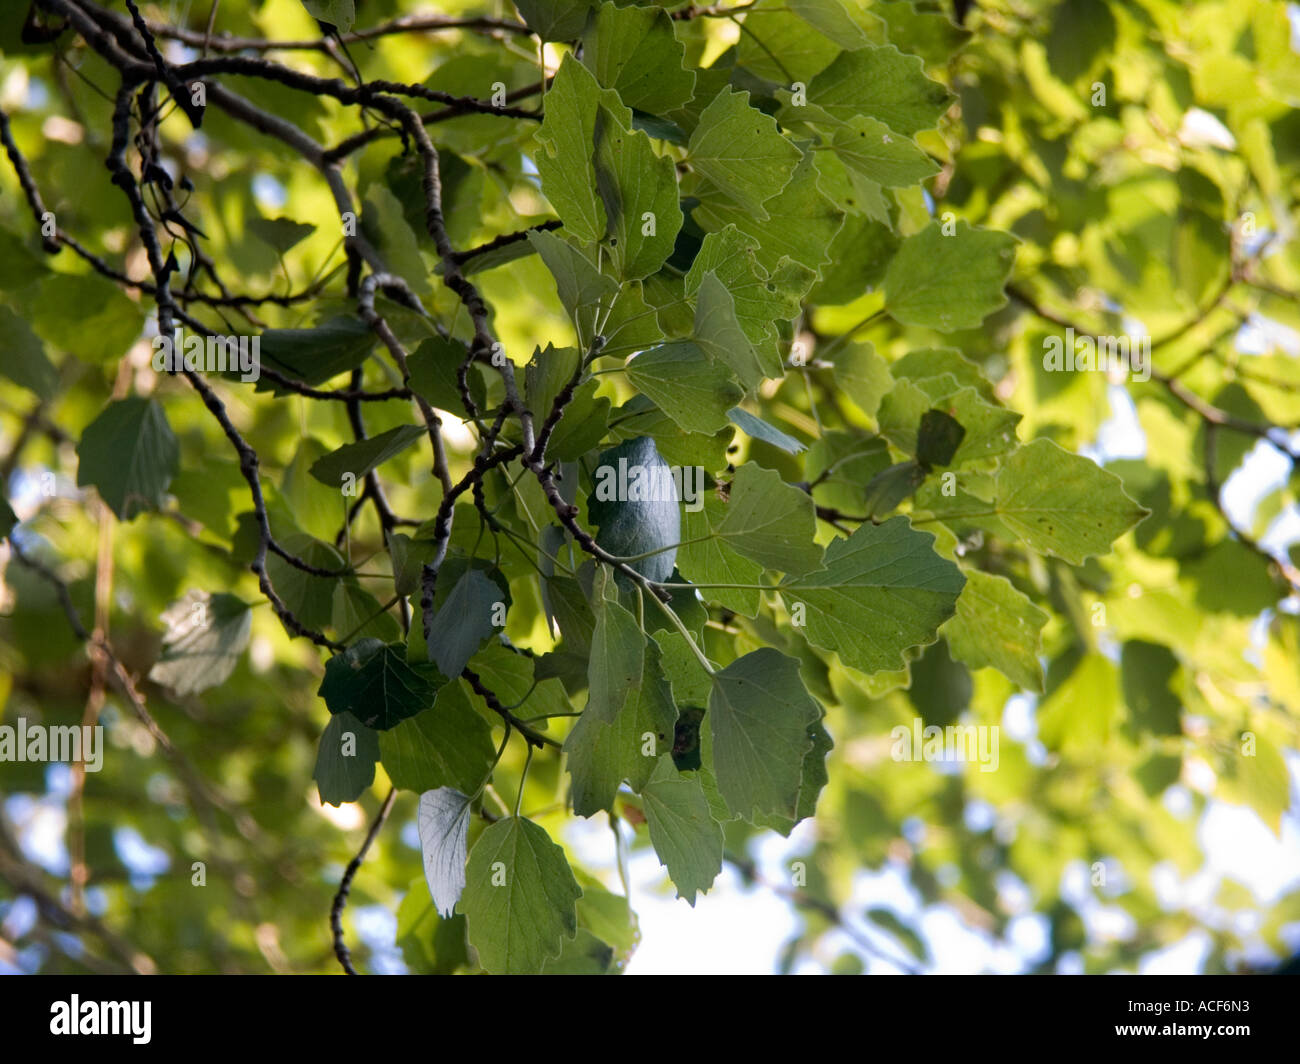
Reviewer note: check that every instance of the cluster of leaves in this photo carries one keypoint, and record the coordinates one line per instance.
(774, 248)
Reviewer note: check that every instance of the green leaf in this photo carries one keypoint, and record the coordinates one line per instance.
(778, 45)
(308, 596)
(206, 634)
(631, 325)
(317, 509)
(24, 360)
(1061, 503)
(719, 335)
(802, 224)
(883, 83)
(465, 621)
(832, 20)
(928, 362)
(358, 614)
(949, 282)
(585, 418)
(684, 834)
(372, 681)
(448, 745)
(813, 778)
(106, 323)
(433, 367)
(511, 675)
(770, 522)
(281, 234)
(564, 164)
(129, 455)
(430, 945)
(884, 589)
(358, 459)
(988, 429)
(995, 625)
(634, 503)
(741, 150)
(339, 13)
(579, 284)
(879, 154)
(705, 558)
(443, 823)
(761, 298)
(617, 658)
(841, 464)
(609, 918)
(384, 223)
(1256, 776)
(345, 761)
(759, 715)
(633, 50)
(555, 20)
(761, 430)
(1152, 693)
(520, 898)
(864, 376)
(640, 417)
(891, 486)
(603, 751)
(686, 384)
(313, 356)
(409, 558)
(889, 921)
(938, 438)
(639, 190)
(584, 954)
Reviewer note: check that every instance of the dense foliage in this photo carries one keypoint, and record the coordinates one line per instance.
(667, 416)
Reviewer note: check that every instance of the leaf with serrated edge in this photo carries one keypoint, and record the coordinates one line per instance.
(949, 282)
(464, 621)
(718, 332)
(803, 220)
(358, 459)
(741, 150)
(564, 164)
(447, 745)
(883, 82)
(879, 154)
(997, 625)
(634, 51)
(770, 522)
(637, 187)
(759, 715)
(704, 558)
(684, 834)
(686, 384)
(372, 681)
(520, 898)
(884, 589)
(1062, 503)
